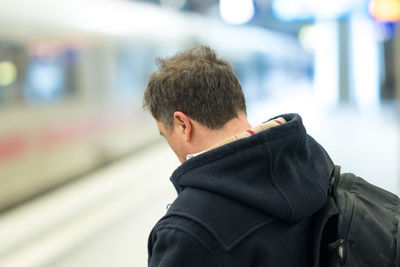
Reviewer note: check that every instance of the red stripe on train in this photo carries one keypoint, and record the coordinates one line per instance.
(12, 146)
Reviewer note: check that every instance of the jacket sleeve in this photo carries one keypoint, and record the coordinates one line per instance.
(169, 247)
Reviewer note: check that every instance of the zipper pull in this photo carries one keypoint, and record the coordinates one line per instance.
(338, 245)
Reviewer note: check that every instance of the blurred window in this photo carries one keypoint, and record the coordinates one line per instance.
(310, 9)
(50, 75)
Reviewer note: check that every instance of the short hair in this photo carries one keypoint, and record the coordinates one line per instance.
(197, 83)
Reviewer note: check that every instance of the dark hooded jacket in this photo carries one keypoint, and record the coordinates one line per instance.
(246, 204)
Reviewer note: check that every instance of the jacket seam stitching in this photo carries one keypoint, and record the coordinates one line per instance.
(306, 174)
(271, 173)
(227, 247)
(194, 237)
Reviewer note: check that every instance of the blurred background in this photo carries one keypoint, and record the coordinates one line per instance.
(84, 174)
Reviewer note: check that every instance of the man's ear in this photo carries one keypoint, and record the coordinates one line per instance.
(183, 124)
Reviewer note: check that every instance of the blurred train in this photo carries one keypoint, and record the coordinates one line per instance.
(72, 75)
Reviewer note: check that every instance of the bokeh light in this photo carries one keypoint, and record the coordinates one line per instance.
(236, 11)
(8, 73)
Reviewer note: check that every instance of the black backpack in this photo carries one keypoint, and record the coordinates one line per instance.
(358, 226)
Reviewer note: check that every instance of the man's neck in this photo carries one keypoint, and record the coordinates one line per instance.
(232, 127)
(204, 137)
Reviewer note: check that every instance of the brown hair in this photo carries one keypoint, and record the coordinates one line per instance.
(196, 83)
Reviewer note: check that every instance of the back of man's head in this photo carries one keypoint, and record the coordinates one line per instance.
(197, 83)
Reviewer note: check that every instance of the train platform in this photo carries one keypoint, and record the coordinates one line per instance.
(101, 220)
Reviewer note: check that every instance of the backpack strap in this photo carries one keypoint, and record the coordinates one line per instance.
(331, 165)
(322, 219)
(346, 181)
(335, 179)
(334, 173)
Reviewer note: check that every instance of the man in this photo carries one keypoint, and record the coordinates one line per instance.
(245, 195)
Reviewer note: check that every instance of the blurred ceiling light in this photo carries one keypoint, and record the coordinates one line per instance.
(307, 37)
(175, 4)
(236, 11)
(8, 73)
(385, 10)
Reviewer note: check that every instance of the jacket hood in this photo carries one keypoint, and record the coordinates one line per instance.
(282, 171)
